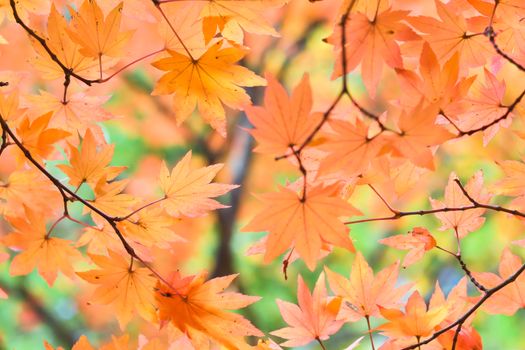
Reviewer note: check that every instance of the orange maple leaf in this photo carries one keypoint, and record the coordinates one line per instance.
(418, 241)
(196, 306)
(81, 344)
(208, 82)
(110, 199)
(98, 36)
(283, 122)
(189, 192)
(48, 254)
(435, 84)
(314, 317)
(303, 224)
(31, 189)
(126, 287)
(484, 106)
(457, 302)
(150, 226)
(363, 293)
(90, 164)
(372, 43)
(510, 298)
(349, 147)
(418, 132)
(75, 115)
(66, 50)
(9, 106)
(231, 16)
(454, 33)
(464, 221)
(415, 322)
(37, 137)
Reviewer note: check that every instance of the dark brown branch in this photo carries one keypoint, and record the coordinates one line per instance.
(486, 206)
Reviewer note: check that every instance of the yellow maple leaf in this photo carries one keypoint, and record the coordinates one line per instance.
(127, 287)
(98, 36)
(206, 82)
(90, 165)
(189, 192)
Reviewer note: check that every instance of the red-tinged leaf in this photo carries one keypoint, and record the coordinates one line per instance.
(417, 241)
(314, 317)
(197, 307)
(373, 43)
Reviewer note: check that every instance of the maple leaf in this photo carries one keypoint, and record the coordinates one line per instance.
(418, 132)
(418, 241)
(416, 321)
(189, 192)
(9, 106)
(512, 183)
(110, 199)
(81, 344)
(195, 306)
(303, 224)
(48, 254)
(37, 137)
(464, 221)
(90, 165)
(510, 298)
(454, 33)
(150, 226)
(484, 107)
(363, 293)
(457, 303)
(97, 35)
(208, 82)
(314, 317)
(283, 122)
(66, 50)
(28, 188)
(506, 9)
(232, 15)
(126, 287)
(435, 84)
(372, 43)
(349, 148)
(75, 115)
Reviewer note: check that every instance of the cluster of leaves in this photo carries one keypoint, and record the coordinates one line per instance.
(450, 62)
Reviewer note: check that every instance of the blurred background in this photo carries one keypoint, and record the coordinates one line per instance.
(145, 133)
